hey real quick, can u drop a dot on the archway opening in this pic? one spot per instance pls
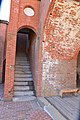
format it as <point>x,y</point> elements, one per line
<point>25,63</point>
<point>25,38</point>
<point>78,71</point>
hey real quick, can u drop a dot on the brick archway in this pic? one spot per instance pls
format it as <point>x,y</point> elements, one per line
<point>17,20</point>
<point>60,42</point>
<point>25,64</point>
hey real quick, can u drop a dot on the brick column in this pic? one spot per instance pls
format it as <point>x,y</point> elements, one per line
<point>11,51</point>
<point>3,27</point>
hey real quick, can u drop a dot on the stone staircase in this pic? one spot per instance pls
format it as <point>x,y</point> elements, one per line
<point>23,84</point>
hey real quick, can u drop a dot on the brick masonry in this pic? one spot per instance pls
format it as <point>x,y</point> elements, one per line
<point>54,47</point>
<point>18,20</point>
<point>3,27</point>
<point>61,43</point>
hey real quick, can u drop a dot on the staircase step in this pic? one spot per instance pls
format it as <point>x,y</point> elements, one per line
<point>22,58</point>
<point>22,72</point>
<point>23,88</point>
<point>23,93</point>
<point>23,75</point>
<point>23,83</point>
<point>22,66</point>
<point>22,61</point>
<point>21,69</point>
<point>24,98</point>
<point>21,55</point>
<point>23,79</point>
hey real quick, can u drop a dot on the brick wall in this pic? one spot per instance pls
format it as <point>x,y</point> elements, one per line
<point>18,20</point>
<point>32,56</point>
<point>61,38</point>
<point>53,52</point>
<point>3,27</point>
<point>43,14</point>
<point>78,70</point>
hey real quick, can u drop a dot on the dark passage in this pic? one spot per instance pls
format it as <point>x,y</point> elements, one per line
<point>78,71</point>
<point>23,84</point>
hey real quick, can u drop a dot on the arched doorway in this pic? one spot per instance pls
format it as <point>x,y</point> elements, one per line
<point>78,70</point>
<point>25,64</point>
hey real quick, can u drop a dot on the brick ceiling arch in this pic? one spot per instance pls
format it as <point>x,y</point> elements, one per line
<point>62,29</point>
<point>28,27</point>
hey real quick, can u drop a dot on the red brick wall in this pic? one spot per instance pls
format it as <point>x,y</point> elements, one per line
<point>38,49</point>
<point>18,20</point>
<point>53,54</point>
<point>32,56</point>
<point>26,21</point>
<point>3,27</point>
<point>43,12</point>
<point>61,38</point>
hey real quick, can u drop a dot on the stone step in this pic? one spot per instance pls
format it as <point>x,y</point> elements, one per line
<point>22,66</point>
<point>23,79</point>
<point>22,61</point>
<point>19,59</point>
<point>23,75</point>
<point>24,98</point>
<point>21,69</point>
<point>22,72</point>
<point>23,93</point>
<point>23,88</point>
<point>22,55</point>
<point>23,83</point>
<point>22,58</point>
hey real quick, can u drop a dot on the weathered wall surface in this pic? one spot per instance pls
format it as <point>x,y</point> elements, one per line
<point>60,43</point>
<point>78,70</point>
<point>44,7</point>
<point>18,20</point>
<point>57,75</point>
<point>43,12</point>
<point>3,28</point>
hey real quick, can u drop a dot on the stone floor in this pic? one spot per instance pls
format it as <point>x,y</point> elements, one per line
<point>22,111</point>
<point>26,110</point>
<point>1,91</point>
